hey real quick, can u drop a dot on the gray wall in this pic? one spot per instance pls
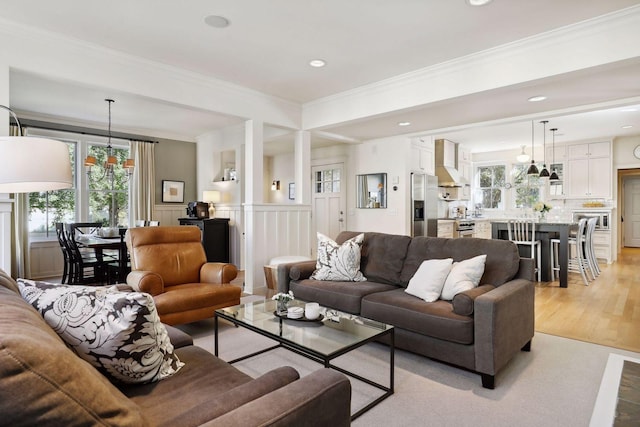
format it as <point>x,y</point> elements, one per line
<point>176,161</point>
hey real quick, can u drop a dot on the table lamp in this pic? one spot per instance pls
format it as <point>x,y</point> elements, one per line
<point>211,197</point>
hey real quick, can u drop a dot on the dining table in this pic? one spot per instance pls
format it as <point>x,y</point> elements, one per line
<point>100,244</point>
<point>545,231</point>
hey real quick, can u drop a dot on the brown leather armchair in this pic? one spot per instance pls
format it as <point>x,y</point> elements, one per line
<point>170,264</point>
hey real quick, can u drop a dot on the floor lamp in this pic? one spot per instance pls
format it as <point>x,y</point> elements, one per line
<point>30,164</point>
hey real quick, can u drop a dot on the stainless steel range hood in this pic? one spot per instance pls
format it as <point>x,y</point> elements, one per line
<point>447,164</point>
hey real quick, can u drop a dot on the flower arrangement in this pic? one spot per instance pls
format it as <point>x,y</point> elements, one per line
<point>282,300</point>
<point>542,207</point>
<point>283,297</point>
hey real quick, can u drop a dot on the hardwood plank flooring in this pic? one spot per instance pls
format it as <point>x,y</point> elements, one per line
<point>606,312</point>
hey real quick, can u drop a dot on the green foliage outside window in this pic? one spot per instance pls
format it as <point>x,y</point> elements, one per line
<point>527,187</point>
<point>491,180</point>
<point>109,199</point>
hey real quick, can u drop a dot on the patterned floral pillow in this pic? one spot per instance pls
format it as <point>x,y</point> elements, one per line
<point>339,262</point>
<point>119,333</point>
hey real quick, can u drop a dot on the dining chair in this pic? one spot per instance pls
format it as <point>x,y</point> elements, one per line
<point>86,267</point>
<point>522,232</point>
<point>67,271</point>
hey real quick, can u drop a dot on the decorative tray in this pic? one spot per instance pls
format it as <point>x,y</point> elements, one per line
<point>301,319</point>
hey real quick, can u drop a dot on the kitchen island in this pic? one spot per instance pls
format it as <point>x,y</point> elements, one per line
<point>545,231</point>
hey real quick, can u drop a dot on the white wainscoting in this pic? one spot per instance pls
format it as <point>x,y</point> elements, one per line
<point>46,259</point>
<point>169,214</point>
<point>273,230</point>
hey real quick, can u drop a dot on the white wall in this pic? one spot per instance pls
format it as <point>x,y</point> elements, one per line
<point>390,156</point>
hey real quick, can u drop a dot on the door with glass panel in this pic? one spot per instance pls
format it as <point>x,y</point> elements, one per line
<point>328,200</point>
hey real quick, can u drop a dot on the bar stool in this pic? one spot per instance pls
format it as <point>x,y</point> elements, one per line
<point>589,249</point>
<point>523,233</point>
<point>577,263</point>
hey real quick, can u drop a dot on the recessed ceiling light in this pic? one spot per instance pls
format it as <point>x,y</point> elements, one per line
<point>404,123</point>
<point>216,21</point>
<point>317,63</point>
<point>537,98</point>
<point>627,127</point>
<point>478,2</point>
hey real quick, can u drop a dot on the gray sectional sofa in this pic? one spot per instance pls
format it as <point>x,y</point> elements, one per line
<point>43,382</point>
<point>480,329</point>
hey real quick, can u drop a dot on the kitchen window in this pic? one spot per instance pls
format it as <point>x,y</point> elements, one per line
<point>526,187</point>
<point>490,188</point>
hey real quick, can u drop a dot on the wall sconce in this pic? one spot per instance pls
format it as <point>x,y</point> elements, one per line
<point>275,185</point>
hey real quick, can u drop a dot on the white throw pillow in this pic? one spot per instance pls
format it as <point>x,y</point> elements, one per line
<point>428,281</point>
<point>339,262</point>
<point>464,275</point>
<point>119,333</point>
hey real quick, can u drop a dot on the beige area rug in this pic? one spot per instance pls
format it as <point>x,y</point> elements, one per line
<point>556,384</point>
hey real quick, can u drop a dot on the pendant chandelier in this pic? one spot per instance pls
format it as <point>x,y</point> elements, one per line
<point>554,175</point>
<point>111,162</point>
<point>533,169</point>
<point>522,157</point>
<point>544,173</point>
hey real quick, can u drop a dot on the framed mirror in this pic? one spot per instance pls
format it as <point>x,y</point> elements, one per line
<point>371,191</point>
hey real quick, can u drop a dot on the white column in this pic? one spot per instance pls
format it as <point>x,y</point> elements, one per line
<point>6,204</point>
<point>253,177</point>
<point>302,156</point>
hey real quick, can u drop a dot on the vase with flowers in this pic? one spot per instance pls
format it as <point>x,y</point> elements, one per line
<point>542,208</point>
<point>282,300</point>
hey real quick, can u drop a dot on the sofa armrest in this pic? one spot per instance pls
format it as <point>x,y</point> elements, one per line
<point>294,271</point>
<point>146,281</point>
<point>218,272</point>
<point>503,324</point>
<point>177,337</point>
<point>527,269</point>
<point>321,398</point>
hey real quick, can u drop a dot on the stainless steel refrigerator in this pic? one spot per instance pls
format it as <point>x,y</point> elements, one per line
<point>424,205</point>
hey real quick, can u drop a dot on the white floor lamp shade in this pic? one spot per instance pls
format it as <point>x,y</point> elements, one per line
<point>29,164</point>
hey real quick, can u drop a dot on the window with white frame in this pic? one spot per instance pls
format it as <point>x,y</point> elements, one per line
<point>93,197</point>
<point>490,188</point>
<point>526,187</point>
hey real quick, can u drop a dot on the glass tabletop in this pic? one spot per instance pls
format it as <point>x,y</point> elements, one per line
<point>335,332</point>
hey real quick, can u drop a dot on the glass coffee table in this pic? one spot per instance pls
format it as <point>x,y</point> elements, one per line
<point>323,340</point>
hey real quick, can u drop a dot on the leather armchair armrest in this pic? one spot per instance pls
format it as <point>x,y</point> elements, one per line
<point>322,398</point>
<point>218,272</point>
<point>146,281</point>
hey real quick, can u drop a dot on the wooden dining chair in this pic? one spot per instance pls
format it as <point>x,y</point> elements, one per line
<point>522,232</point>
<point>86,267</point>
<point>67,271</point>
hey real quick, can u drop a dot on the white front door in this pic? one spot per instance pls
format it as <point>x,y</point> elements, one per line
<point>632,212</point>
<point>328,200</point>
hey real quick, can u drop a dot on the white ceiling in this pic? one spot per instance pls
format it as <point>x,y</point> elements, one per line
<point>269,43</point>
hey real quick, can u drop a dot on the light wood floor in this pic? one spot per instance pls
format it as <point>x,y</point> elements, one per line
<point>606,312</point>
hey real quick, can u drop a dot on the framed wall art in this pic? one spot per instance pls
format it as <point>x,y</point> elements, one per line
<point>172,191</point>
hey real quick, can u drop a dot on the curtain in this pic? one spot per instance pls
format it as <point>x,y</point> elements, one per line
<point>20,256</point>
<point>142,195</point>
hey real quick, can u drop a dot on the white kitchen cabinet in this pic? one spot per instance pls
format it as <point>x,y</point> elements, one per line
<point>588,172</point>
<point>602,245</point>
<point>445,228</point>
<point>423,157</point>
<point>464,168</point>
<point>560,154</point>
<point>482,229</point>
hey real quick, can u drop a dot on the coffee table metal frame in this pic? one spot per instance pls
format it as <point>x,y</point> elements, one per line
<point>230,314</point>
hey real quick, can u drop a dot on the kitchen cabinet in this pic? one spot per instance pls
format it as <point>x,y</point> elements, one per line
<point>445,228</point>
<point>588,172</point>
<point>464,168</point>
<point>482,229</point>
<point>423,157</point>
